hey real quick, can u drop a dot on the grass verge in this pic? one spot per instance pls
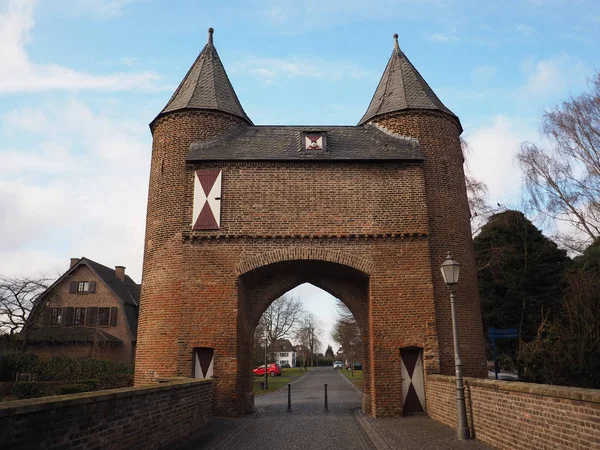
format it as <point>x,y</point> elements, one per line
<point>287,376</point>
<point>356,380</point>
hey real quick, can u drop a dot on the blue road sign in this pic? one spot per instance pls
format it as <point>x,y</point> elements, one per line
<point>500,333</point>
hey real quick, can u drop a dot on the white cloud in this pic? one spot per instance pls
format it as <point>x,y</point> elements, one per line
<point>19,74</point>
<point>302,16</point>
<point>493,149</point>
<point>129,60</point>
<point>79,188</point>
<point>483,74</point>
<point>102,9</point>
<point>553,75</point>
<point>525,30</point>
<point>272,69</point>
<point>444,38</point>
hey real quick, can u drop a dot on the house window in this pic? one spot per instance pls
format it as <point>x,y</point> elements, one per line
<point>283,355</point>
<point>55,316</point>
<point>79,316</point>
<point>83,286</point>
<point>103,316</point>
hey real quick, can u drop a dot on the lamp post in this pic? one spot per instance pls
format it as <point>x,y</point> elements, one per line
<point>266,361</point>
<point>450,271</point>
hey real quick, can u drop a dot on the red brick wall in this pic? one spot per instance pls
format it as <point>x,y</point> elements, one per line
<point>449,230</point>
<point>370,220</point>
<point>170,183</point>
<point>150,418</point>
<point>520,416</point>
<point>320,199</point>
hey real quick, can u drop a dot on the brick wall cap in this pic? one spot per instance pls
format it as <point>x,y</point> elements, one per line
<point>60,401</point>
<point>545,390</point>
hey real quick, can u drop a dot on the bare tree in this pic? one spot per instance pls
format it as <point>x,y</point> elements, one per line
<point>17,301</point>
<point>308,335</point>
<point>280,320</point>
<point>347,332</point>
<point>563,178</point>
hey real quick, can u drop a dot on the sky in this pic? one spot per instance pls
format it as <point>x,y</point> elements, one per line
<point>80,80</point>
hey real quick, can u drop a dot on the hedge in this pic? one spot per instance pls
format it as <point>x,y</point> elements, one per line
<point>106,374</point>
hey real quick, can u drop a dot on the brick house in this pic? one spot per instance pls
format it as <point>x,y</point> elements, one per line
<point>91,311</point>
<point>239,214</point>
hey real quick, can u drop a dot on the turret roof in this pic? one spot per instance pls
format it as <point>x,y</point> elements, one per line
<point>206,87</point>
<point>402,87</point>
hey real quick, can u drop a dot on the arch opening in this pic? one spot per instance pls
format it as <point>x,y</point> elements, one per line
<point>331,281</point>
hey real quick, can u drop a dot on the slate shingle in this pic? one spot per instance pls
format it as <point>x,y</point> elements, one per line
<point>286,143</point>
<point>206,86</point>
<point>402,87</point>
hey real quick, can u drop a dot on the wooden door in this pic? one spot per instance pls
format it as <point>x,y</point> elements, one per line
<point>413,384</point>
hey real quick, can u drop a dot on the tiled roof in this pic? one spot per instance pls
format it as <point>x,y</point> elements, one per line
<point>278,143</point>
<point>72,334</point>
<point>206,86</point>
<point>283,345</point>
<point>128,291</point>
<point>402,87</point>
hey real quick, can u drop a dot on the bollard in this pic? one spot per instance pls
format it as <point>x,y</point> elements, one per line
<point>289,398</point>
<point>326,406</point>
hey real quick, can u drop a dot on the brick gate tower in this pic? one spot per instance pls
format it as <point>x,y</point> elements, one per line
<point>239,214</point>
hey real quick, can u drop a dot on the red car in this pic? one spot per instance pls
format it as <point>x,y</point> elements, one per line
<point>272,369</point>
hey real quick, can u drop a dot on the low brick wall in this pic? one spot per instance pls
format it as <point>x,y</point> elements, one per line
<point>129,418</point>
<point>518,416</point>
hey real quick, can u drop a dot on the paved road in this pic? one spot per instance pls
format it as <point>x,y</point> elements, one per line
<point>309,427</point>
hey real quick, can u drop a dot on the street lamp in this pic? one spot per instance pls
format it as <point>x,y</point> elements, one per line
<point>266,372</point>
<point>450,271</point>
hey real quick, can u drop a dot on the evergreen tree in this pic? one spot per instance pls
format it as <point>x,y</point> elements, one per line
<point>520,276</point>
<point>329,352</point>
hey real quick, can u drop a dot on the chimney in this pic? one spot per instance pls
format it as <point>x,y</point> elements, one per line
<point>120,272</point>
<point>74,261</point>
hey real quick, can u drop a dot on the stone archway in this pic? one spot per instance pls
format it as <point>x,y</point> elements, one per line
<point>306,253</point>
<point>260,286</point>
<point>238,212</point>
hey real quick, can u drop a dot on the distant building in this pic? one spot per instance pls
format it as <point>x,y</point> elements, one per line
<point>91,311</point>
<point>285,353</point>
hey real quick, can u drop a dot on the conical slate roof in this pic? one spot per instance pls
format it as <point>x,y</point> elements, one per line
<point>206,86</point>
<point>402,87</point>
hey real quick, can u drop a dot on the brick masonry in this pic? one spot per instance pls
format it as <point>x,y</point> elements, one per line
<point>520,416</point>
<point>102,298</point>
<point>152,417</point>
<point>449,225</point>
<point>371,233</point>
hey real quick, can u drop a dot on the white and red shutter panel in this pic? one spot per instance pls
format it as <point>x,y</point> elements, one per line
<point>207,199</point>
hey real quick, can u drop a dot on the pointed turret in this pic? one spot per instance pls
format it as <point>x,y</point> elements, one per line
<point>206,87</point>
<point>402,88</point>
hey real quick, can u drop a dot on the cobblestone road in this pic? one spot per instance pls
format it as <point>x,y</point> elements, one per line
<point>309,427</point>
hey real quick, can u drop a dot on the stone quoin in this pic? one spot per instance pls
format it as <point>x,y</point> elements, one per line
<point>239,214</point>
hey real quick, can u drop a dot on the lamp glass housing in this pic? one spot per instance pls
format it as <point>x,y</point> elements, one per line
<point>450,270</point>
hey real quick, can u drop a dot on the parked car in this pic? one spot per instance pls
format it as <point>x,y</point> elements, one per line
<point>285,365</point>
<point>505,376</point>
<point>272,369</point>
<point>338,365</point>
<point>357,366</point>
